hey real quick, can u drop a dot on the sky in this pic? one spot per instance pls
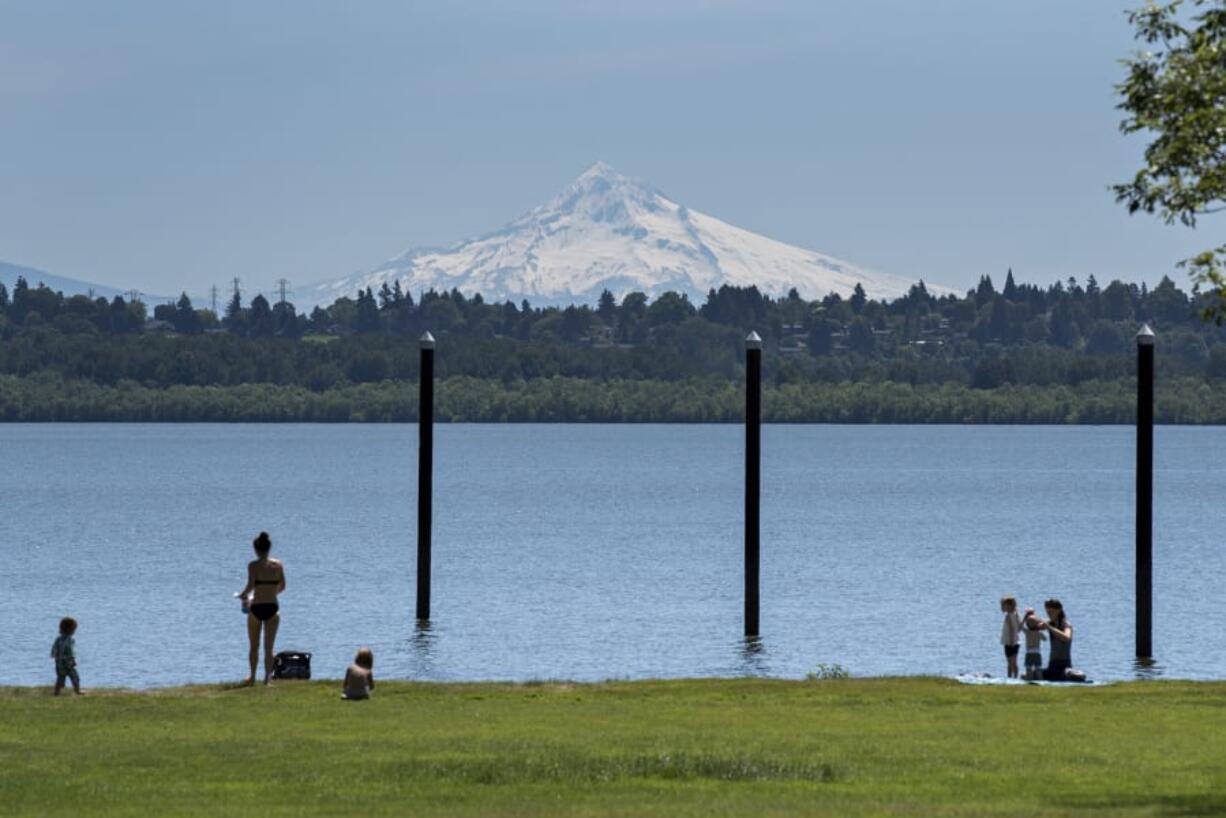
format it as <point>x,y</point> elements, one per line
<point>171,146</point>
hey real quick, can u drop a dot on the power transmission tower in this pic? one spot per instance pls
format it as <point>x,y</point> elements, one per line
<point>133,296</point>
<point>237,290</point>
<point>213,298</point>
<point>282,286</point>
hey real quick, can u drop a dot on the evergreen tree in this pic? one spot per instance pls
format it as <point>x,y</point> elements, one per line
<point>918,294</point>
<point>285,319</point>
<point>576,323</point>
<point>669,308</point>
<point>508,317</point>
<point>1062,330</point>
<point>234,313</point>
<point>1117,302</point>
<point>259,318</point>
<point>21,300</point>
<point>1010,290</point>
<point>121,318</point>
<point>985,292</point>
<point>367,319</point>
<point>606,308</point>
<point>320,321</point>
<point>858,299</point>
<point>185,319</point>
<point>1167,303</point>
<point>4,297</point>
<point>998,319</point>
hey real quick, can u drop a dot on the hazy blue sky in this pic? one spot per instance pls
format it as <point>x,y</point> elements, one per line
<point>167,146</point>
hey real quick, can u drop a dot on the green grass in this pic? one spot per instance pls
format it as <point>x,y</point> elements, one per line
<point>670,748</point>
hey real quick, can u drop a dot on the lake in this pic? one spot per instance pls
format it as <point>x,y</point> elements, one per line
<point>591,552</point>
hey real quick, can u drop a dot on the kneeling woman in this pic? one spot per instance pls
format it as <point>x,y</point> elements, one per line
<point>1060,658</point>
<point>265,580</point>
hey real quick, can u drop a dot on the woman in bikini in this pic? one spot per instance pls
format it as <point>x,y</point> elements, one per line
<point>265,579</point>
<point>1060,631</point>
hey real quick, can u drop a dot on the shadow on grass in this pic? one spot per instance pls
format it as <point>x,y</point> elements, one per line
<point>570,769</point>
<point>1175,806</point>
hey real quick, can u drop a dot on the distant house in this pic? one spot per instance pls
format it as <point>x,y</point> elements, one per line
<point>157,325</point>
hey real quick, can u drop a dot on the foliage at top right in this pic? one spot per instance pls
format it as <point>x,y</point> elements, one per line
<point>1177,94</point>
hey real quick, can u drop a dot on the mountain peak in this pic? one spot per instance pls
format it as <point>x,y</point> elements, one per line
<point>599,169</point>
<point>609,231</point>
<point>599,193</point>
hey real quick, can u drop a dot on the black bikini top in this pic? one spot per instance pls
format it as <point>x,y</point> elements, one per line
<point>268,581</point>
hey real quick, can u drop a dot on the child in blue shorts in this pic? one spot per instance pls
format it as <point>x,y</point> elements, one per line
<point>64,652</point>
<point>1034,645</point>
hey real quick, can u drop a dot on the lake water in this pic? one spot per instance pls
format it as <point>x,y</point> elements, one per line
<point>600,551</point>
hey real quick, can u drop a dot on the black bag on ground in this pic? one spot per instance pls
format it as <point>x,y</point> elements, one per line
<point>290,664</point>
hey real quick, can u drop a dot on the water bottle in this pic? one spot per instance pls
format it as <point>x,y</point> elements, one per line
<point>243,601</point>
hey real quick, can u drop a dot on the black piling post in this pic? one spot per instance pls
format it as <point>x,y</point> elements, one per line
<point>1145,492</point>
<point>753,478</point>
<point>425,473</point>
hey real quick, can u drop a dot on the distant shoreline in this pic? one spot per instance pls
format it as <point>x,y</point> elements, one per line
<point>45,399</point>
<point>32,423</point>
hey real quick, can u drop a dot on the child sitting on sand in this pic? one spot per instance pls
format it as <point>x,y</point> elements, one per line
<point>360,677</point>
<point>63,651</point>
<point>1034,644</point>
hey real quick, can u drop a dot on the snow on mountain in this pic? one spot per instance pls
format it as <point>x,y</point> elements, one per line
<point>610,231</point>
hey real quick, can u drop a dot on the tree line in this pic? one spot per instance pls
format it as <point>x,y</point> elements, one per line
<point>1070,342</point>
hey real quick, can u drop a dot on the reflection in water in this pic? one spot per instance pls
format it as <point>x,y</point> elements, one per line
<point>753,657</point>
<point>421,650</point>
<point>1148,669</point>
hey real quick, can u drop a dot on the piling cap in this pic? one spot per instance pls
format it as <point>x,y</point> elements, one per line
<point>427,341</point>
<point>1145,336</point>
<point>753,341</point>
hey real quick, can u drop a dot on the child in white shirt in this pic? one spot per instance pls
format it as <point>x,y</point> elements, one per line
<point>1034,645</point>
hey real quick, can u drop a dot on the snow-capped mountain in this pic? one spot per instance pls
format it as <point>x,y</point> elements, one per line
<point>610,231</point>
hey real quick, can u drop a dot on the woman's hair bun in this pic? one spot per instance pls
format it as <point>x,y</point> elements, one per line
<point>262,542</point>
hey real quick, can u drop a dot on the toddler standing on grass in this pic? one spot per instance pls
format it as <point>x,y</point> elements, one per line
<point>360,676</point>
<point>1034,645</point>
<point>1009,633</point>
<point>63,651</point>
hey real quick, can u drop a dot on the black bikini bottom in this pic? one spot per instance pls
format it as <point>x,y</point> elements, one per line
<point>264,611</point>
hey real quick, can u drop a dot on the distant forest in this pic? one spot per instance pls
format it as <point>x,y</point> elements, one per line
<point>1015,353</point>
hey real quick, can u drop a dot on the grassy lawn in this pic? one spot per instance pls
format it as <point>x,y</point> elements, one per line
<point>671,748</point>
